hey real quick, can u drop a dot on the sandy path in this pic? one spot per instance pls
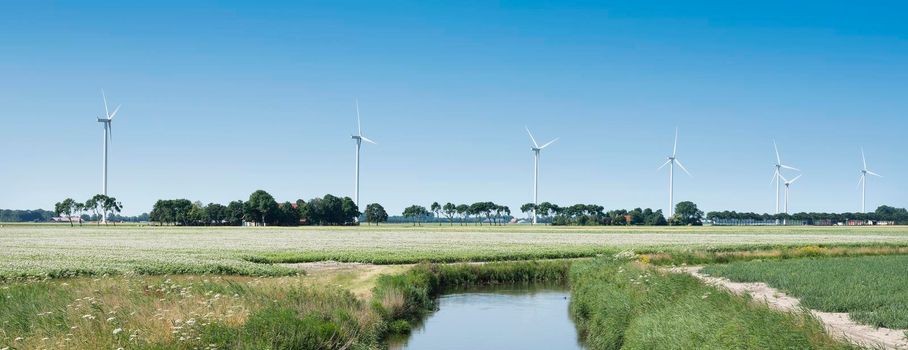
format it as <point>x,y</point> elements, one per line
<point>837,323</point>
<point>358,278</point>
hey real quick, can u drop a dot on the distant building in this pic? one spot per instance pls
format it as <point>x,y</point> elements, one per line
<point>64,218</point>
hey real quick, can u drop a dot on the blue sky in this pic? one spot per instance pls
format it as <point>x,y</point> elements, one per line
<point>223,98</point>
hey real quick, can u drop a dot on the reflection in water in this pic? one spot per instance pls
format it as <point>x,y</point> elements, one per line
<point>502,317</point>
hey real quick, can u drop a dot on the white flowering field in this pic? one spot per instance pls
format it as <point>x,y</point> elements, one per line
<point>58,250</point>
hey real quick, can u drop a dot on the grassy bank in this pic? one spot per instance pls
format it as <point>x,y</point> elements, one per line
<point>235,312</point>
<point>627,305</point>
<point>872,289</point>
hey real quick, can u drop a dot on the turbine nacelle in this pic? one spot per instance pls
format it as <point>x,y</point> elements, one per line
<point>536,147</point>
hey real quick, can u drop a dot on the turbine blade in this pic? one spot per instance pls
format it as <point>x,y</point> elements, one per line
<point>781,177</point>
<point>682,167</point>
<point>531,136</point>
<point>110,132</point>
<point>675,147</point>
<point>664,164</point>
<point>776,147</point>
<point>114,112</point>
<point>104,96</point>
<point>860,181</point>
<point>359,127</point>
<point>874,174</point>
<point>863,159</point>
<point>795,179</point>
<point>789,168</point>
<point>775,176</point>
<point>368,140</point>
<point>547,144</point>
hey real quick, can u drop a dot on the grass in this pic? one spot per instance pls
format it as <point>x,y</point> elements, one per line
<point>617,304</point>
<point>47,250</point>
<point>236,312</point>
<point>627,305</point>
<point>872,289</point>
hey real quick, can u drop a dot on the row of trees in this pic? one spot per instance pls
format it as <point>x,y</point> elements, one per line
<point>14,215</point>
<point>686,213</point>
<point>97,205</point>
<point>260,209</point>
<point>882,213</point>
<point>478,212</point>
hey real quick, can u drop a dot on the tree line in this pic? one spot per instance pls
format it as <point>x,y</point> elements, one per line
<point>97,205</point>
<point>479,213</point>
<point>36,215</point>
<point>260,209</point>
<point>686,213</point>
<point>882,213</point>
<point>463,214</point>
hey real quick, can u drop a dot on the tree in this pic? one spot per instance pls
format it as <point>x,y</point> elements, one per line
<point>416,212</point>
<point>303,208</point>
<point>435,209</point>
<point>111,205</point>
<point>261,206</point>
<point>546,209</point>
<point>463,211</point>
<point>477,209</point>
<point>216,214</point>
<point>197,214</point>
<point>375,213</point>
<point>288,215</point>
<point>94,205</point>
<point>65,208</point>
<point>687,213</point>
<point>528,208</point>
<point>349,211</point>
<point>78,208</point>
<point>450,210</point>
<point>235,213</point>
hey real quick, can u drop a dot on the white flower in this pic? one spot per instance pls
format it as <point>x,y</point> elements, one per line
<point>117,331</point>
<point>110,319</point>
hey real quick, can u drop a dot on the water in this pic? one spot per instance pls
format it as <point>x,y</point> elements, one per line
<point>509,317</point>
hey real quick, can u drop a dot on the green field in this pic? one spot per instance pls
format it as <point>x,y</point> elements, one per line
<point>872,289</point>
<point>627,305</point>
<point>58,250</point>
<point>140,287</point>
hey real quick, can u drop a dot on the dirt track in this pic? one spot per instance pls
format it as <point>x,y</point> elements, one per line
<point>836,323</point>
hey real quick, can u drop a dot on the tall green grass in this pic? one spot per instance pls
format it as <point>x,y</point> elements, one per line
<point>408,296</point>
<point>872,289</point>
<point>626,305</point>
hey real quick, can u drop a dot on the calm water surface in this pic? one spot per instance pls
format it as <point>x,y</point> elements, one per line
<point>508,317</point>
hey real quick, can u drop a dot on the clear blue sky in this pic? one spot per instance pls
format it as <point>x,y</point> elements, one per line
<point>223,98</point>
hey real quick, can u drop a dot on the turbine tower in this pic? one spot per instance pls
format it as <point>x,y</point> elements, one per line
<point>863,181</point>
<point>107,121</point>
<point>536,148</point>
<point>358,138</point>
<point>671,161</point>
<point>777,173</point>
<point>788,189</point>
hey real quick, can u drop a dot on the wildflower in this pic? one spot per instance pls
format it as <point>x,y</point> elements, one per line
<point>17,339</point>
<point>117,331</point>
<point>110,319</point>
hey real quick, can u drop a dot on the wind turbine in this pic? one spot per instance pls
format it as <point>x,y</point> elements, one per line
<point>358,138</point>
<point>536,148</point>
<point>788,189</point>
<point>672,160</point>
<point>106,120</point>
<point>777,173</point>
<point>863,181</point>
